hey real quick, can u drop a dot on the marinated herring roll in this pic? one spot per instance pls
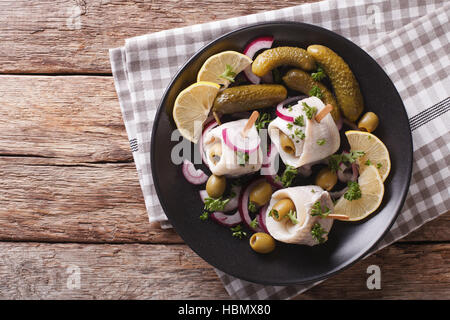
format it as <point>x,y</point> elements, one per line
<point>296,215</point>
<point>229,152</point>
<point>299,137</point>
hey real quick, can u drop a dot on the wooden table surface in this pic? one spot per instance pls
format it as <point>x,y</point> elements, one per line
<point>70,201</point>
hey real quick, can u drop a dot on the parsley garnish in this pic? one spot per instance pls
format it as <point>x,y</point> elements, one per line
<point>262,120</point>
<point>318,211</point>
<point>310,111</point>
<point>289,126</point>
<point>274,213</point>
<point>252,207</point>
<point>379,165</point>
<point>319,75</point>
<point>228,74</point>
<point>321,142</point>
<point>353,192</point>
<point>315,91</point>
<point>336,159</point>
<point>289,108</point>
<point>317,232</point>
<point>299,121</point>
<point>368,163</point>
<point>212,204</point>
<point>254,224</point>
<point>238,233</point>
<point>288,176</point>
<point>204,215</point>
<point>299,133</point>
<point>242,158</point>
<point>292,215</point>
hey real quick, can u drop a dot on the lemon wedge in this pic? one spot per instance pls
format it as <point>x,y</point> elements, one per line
<point>375,152</point>
<point>371,194</point>
<point>192,107</point>
<point>221,68</point>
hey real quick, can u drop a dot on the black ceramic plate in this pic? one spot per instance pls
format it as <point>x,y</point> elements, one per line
<point>288,264</point>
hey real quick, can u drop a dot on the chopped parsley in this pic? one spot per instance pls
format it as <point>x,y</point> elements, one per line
<point>262,121</point>
<point>289,108</point>
<point>252,207</point>
<point>254,224</point>
<point>218,204</point>
<point>242,158</point>
<point>316,92</point>
<point>336,159</point>
<point>353,192</point>
<point>310,111</point>
<point>317,232</point>
<point>288,176</point>
<point>238,233</point>
<point>292,215</point>
<point>379,165</point>
<point>274,214</point>
<point>204,216</point>
<point>368,163</point>
<point>228,74</point>
<point>289,125</point>
<point>318,211</point>
<point>319,75</point>
<point>299,121</point>
<point>299,133</point>
<point>321,142</point>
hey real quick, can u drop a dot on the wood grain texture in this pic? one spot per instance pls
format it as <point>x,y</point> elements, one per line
<point>61,36</point>
<point>40,271</point>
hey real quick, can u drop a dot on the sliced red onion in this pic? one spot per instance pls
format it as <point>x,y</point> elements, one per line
<point>193,176</point>
<point>355,171</point>
<point>274,182</point>
<point>262,218</point>
<point>337,194</point>
<point>281,111</point>
<point>234,141</point>
<point>346,174</point>
<point>208,127</point>
<point>250,51</point>
<point>305,170</point>
<point>232,204</point>
<point>243,205</point>
<point>226,220</point>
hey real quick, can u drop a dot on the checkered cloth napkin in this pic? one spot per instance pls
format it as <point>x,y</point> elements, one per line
<point>409,39</point>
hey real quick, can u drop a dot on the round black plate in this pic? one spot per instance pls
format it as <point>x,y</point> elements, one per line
<point>288,264</point>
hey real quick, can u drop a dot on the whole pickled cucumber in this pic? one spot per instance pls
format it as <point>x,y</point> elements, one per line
<point>346,88</point>
<point>248,97</point>
<point>273,58</point>
<point>300,80</point>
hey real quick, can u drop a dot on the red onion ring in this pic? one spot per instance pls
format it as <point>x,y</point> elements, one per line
<point>243,205</point>
<point>280,108</point>
<point>193,176</point>
<point>232,204</point>
<point>250,50</point>
<point>227,140</point>
<point>262,218</point>
<point>208,127</point>
<point>226,220</point>
<point>272,180</point>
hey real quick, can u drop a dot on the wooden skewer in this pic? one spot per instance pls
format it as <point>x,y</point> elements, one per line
<point>322,113</point>
<point>250,123</point>
<point>338,217</point>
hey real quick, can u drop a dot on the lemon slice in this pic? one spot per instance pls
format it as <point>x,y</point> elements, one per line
<point>192,107</point>
<point>375,152</point>
<point>372,191</point>
<point>221,68</point>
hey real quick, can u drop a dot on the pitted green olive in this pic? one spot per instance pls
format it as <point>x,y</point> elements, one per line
<point>326,179</point>
<point>215,152</point>
<point>262,242</point>
<point>282,208</point>
<point>215,186</point>
<point>286,144</point>
<point>369,122</point>
<point>261,193</point>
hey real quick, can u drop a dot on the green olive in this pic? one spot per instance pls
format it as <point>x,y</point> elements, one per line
<point>261,193</point>
<point>282,208</point>
<point>326,179</point>
<point>369,122</point>
<point>215,152</point>
<point>215,186</point>
<point>286,144</point>
<point>262,242</point>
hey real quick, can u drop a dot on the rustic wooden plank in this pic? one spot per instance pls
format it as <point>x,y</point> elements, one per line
<point>60,203</point>
<point>73,119</point>
<point>60,36</point>
<point>135,271</point>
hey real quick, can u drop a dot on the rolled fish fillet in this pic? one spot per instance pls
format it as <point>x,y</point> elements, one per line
<point>308,143</point>
<point>303,198</point>
<point>229,153</point>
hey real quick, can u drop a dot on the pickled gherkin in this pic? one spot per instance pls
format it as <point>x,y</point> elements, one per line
<point>345,85</point>
<point>248,97</point>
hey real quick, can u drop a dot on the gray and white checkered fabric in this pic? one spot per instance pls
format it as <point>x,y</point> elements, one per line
<point>409,39</point>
